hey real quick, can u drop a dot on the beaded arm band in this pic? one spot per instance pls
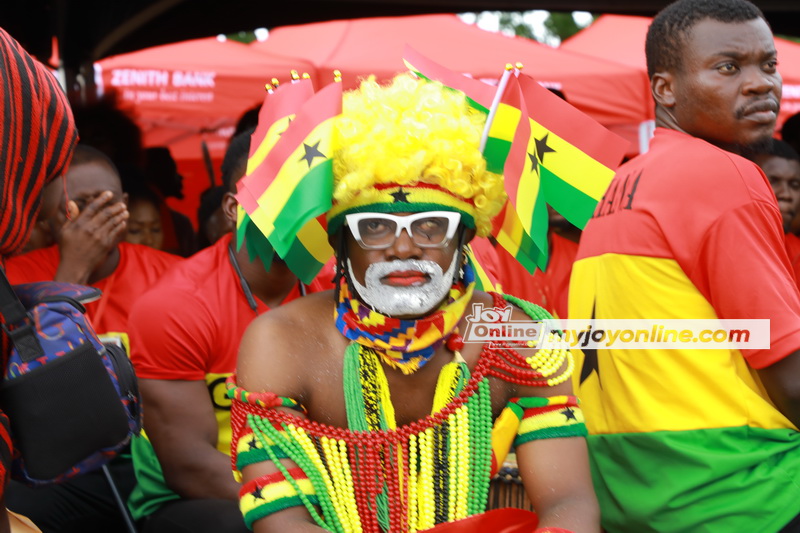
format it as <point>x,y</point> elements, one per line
<point>547,418</point>
<point>274,492</point>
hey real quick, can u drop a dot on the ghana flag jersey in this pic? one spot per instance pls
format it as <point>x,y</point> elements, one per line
<point>686,440</point>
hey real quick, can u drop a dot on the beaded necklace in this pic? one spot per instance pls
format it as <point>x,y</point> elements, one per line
<point>403,344</point>
<point>434,470</point>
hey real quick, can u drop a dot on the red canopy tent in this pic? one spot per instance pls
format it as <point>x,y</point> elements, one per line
<point>612,93</point>
<point>185,94</point>
<point>621,38</point>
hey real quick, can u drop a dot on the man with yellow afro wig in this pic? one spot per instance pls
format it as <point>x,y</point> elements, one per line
<point>364,408</point>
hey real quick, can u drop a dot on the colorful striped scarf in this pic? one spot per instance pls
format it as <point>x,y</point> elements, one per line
<point>403,344</point>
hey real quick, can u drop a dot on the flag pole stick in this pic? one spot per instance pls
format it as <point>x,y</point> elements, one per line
<point>501,87</point>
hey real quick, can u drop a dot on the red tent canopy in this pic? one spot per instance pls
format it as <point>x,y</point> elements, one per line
<point>622,38</point>
<point>185,93</point>
<point>613,94</point>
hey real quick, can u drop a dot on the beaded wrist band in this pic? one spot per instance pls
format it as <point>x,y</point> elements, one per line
<point>272,493</point>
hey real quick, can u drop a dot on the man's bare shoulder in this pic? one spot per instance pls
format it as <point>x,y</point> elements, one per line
<point>278,345</point>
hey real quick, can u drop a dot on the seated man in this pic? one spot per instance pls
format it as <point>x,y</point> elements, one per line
<point>381,417</point>
<point>90,250</point>
<point>185,334</point>
<point>781,163</point>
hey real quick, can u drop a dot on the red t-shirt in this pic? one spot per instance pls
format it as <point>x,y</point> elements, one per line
<point>190,324</point>
<point>139,268</point>
<point>550,289</point>
<point>793,250</point>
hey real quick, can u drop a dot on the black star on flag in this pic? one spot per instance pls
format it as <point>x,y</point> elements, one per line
<point>534,162</point>
<point>400,196</point>
<point>569,413</point>
<point>542,148</point>
<point>311,153</point>
<point>252,443</point>
<point>288,123</point>
<point>256,494</point>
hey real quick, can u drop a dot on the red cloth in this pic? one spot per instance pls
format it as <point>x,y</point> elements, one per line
<point>139,268</point>
<point>38,134</point>
<point>197,315</point>
<point>793,250</point>
<point>505,520</point>
<point>550,289</point>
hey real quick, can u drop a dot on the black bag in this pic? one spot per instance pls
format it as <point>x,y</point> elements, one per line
<point>72,401</point>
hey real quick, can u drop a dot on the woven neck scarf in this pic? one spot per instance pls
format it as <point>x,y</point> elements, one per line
<point>403,344</point>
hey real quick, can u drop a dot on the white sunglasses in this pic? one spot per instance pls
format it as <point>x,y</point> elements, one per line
<point>378,231</point>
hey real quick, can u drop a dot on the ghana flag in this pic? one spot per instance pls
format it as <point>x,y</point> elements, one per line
<point>276,113</point>
<point>289,189</point>
<point>576,156</point>
<point>481,97</point>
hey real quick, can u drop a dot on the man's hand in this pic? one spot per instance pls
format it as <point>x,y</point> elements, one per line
<point>86,239</point>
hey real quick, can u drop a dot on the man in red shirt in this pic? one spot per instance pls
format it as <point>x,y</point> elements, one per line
<point>185,334</point>
<point>781,163</point>
<point>89,251</point>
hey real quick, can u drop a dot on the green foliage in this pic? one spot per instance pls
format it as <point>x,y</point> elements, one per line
<point>561,25</point>
<point>245,37</point>
<point>513,21</point>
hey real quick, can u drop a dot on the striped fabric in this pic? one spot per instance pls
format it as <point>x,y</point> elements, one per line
<point>687,439</point>
<point>37,134</point>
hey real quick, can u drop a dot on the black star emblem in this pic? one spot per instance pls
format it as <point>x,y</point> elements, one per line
<point>590,362</point>
<point>252,443</point>
<point>256,494</point>
<point>569,413</point>
<point>400,196</point>
<point>590,365</point>
<point>534,162</point>
<point>288,123</point>
<point>542,148</point>
<point>311,153</point>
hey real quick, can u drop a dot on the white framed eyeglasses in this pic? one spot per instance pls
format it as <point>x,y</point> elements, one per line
<point>378,231</point>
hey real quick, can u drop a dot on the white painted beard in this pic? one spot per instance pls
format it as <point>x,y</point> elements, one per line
<point>412,300</point>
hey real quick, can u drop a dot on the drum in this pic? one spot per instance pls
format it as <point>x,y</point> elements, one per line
<point>506,488</point>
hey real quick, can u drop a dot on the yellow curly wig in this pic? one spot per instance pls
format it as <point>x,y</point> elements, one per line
<point>417,136</point>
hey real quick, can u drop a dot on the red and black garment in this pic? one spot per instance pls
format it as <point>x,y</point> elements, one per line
<point>37,137</point>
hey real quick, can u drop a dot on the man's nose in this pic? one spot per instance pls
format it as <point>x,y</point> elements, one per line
<point>760,82</point>
<point>404,247</point>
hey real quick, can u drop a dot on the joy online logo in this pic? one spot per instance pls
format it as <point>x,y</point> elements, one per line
<point>487,324</point>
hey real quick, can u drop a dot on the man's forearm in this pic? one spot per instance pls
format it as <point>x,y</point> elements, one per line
<point>202,474</point>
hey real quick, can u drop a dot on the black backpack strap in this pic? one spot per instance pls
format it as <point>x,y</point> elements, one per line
<point>23,334</point>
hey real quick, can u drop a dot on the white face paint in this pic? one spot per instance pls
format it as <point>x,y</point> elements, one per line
<point>415,299</point>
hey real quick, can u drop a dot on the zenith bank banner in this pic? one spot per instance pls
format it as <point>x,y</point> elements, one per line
<point>148,85</point>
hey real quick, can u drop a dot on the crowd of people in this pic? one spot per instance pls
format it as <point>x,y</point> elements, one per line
<point>354,402</point>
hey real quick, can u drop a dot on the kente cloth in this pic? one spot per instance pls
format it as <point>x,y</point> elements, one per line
<point>407,344</point>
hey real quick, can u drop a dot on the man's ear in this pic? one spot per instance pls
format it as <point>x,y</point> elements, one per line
<point>662,85</point>
<point>229,205</point>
